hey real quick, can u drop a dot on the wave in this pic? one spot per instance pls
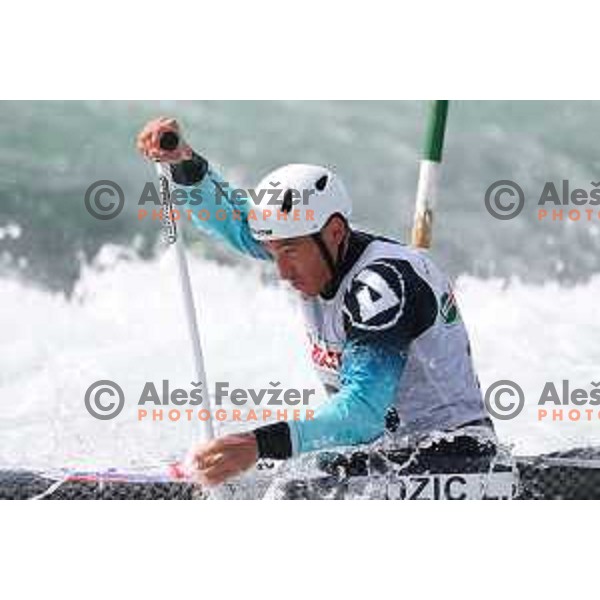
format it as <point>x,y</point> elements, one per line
<point>124,322</point>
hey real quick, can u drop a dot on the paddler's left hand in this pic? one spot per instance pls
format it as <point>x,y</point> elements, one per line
<point>221,459</point>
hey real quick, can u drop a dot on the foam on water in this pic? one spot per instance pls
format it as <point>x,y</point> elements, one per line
<point>533,334</point>
<point>125,323</point>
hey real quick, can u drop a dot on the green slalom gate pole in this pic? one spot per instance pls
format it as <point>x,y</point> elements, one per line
<point>429,174</point>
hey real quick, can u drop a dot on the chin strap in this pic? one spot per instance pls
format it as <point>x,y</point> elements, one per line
<point>325,252</point>
<point>327,256</point>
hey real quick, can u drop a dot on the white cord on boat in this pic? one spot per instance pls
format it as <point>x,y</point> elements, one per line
<point>50,490</point>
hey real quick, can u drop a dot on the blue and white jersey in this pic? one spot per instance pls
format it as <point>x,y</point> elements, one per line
<point>386,336</point>
<point>394,303</point>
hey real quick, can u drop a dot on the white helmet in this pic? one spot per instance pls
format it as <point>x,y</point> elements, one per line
<point>298,200</point>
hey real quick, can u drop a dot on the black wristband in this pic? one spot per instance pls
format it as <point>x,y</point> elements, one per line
<point>189,172</point>
<point>274,441</point>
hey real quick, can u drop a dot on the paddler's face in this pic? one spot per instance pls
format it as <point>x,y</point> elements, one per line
<point>299,261</point>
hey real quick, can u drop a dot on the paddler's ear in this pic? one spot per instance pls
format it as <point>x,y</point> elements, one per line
<point>337,228</point>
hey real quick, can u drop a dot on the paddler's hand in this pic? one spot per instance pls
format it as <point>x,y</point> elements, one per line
<point>148,141</point>
<point>223,458</point>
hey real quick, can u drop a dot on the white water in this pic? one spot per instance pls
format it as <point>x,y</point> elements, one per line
<point>532,334</point>
<point>125,323</point>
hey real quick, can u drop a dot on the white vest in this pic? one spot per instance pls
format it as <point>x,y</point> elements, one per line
<point>439,389</point>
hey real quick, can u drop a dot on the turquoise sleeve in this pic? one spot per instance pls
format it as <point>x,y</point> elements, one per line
<point>210,206</point>
<point>370,375</point>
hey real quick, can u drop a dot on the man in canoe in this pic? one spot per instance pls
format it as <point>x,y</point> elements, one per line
<point>387,337</point>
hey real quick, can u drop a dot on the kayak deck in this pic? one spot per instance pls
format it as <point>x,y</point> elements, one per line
<point>574,474</point>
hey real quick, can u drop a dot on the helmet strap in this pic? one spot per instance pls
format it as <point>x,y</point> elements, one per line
<point>324,252</point>
<point>331,263</point>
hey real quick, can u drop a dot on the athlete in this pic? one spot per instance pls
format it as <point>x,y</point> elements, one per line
<point>387,338</point>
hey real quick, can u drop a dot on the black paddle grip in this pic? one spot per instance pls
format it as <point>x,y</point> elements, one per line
<point>169,140</point>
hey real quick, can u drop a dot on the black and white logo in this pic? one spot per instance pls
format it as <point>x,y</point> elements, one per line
<point>376,298</point>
